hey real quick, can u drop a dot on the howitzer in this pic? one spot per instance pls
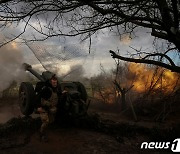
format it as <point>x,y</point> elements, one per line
<point>28,67</point>
<point>72,102</point>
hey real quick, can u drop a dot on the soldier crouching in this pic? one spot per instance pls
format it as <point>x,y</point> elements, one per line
<point>48,106</point>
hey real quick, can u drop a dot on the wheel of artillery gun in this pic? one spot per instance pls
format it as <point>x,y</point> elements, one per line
<point>82,90</point>
<point>26,98</point>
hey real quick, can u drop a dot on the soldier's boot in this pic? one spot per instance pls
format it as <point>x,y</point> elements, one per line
<point>43,137</point>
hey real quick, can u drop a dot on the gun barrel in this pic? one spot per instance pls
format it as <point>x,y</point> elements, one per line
<point>28,67</point>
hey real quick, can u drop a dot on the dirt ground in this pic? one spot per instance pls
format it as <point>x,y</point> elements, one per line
<point>68,141</point>
<point>111,137</point>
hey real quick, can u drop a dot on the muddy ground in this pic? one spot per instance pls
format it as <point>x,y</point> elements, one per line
<point>98,133</point>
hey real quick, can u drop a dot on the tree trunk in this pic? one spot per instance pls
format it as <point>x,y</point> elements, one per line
<point>123,100</point>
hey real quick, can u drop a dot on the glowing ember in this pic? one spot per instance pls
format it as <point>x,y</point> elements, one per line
<point>14,45</point>
<point>126,39</point>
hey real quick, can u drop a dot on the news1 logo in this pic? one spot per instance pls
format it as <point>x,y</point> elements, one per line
<point>175,146</point>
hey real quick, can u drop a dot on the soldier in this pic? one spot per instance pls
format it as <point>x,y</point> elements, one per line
<point>48,106</point>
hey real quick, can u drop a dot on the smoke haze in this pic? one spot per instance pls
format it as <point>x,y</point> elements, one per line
<point>75,73</point>
<point>11,59</point>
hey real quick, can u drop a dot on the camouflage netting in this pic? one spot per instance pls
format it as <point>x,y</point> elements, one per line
<point>60,59</point>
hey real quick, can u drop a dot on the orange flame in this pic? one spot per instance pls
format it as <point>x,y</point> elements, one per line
<point>145,77</point>
<point>106,94</point>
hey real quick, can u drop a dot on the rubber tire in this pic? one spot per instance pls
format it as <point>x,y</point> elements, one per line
<point>82,90</point>
<point>26,98</point>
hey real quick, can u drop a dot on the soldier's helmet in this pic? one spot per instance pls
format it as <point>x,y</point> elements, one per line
<point>47,75</point>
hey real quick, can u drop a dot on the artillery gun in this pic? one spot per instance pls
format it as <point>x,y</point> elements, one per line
<point>72,103</point>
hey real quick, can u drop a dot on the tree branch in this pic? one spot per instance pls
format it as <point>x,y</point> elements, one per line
<point>159,35</point>
<point>118,86</point>
<point>146,61</point>
<point>162,55</point>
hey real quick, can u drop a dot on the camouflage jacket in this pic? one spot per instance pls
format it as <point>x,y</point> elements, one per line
<point>51,101</point>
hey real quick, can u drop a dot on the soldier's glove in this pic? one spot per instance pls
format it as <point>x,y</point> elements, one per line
<point>53,110</point>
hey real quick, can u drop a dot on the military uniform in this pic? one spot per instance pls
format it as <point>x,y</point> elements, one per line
<point>49,110</point>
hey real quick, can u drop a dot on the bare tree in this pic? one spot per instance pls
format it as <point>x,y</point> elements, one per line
<point>82,17</point>
<point>123,92</point>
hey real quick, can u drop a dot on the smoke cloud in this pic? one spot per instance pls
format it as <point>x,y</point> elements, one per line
<point>11,59</point>
<point>75,73</point>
